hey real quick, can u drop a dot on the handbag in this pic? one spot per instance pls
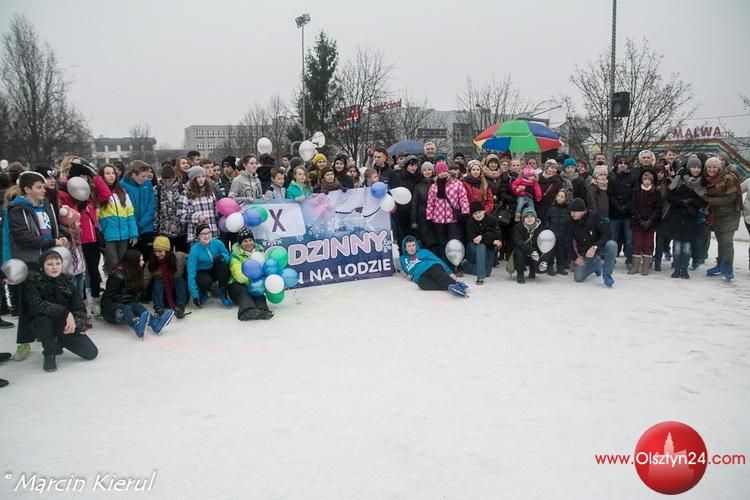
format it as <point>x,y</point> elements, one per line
<point>503,215</point>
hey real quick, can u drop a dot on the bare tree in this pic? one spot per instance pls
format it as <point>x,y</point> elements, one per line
<point>42,121</point>
<point>142,144</point>
<point>480,105</point>
<point>364,82</point>
<point>659,104</point>
<point>279,122</point>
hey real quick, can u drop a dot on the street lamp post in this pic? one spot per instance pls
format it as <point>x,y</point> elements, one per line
<point>301,22</point>
<point>610,103</point>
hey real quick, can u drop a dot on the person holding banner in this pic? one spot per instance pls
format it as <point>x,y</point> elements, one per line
<point>247,187</point>
<point>299,188</point>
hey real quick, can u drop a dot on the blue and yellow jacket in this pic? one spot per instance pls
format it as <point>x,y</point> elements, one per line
<point>117,222</point>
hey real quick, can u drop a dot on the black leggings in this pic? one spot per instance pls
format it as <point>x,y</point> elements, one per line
<point>220,273</point>
<point>92,254</point>
<point>444,233</point>
<point>53,339</point>
<point>435,278</point>
<point>249,307</point>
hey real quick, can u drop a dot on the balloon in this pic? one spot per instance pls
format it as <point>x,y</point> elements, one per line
<point>307,150</point>
<point>387,203</point>
<point>401,195</point>
<point>258,257</point>
<point>274,283</point>
<point>280,255</point>
<point>263,214</point>
<point>291,277</point>
<point>66,257</point>
<point>264,146</point>
<point>271,267</point>
<point>275,298</point>
<point>15,271</point>
<point>252,269</point>
<point>454,252</point>
<point>252,217</point>
<point>546,241</point>
<point>79,188</point>
<point>235,222</point>
<point>227,206</point>
<point>378,190</point>
<point>223,225</point>
<point>256,288</point>
<point>3,164</point>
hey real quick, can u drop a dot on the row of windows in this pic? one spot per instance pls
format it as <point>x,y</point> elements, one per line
<point>220,132</point>
<point>207,145</point>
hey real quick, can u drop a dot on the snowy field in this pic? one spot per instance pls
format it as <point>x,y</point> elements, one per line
<point>377,390</point>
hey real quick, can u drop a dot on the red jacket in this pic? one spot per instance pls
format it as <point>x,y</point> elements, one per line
<point>89,221</point>
<point>533,189</point>
<point>474,193</point>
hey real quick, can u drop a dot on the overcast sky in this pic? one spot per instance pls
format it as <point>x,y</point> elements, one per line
<point>175,63</point>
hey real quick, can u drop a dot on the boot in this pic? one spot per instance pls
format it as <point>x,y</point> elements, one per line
<point>657,263</point>
<point>49,363</point>
<point>646,265</point>
<point>179,311</point>
<point>728,270</point>
<point>716,270</point>
<point>22,352</point>
<point>637,259</point>
<point>519,276</point>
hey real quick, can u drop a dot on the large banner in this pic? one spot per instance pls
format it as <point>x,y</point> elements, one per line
<point>341,236</point>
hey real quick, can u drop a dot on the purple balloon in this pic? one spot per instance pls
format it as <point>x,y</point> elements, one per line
<point>223,225</point>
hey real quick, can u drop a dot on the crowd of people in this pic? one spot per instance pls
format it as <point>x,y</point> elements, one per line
<point>158,240</point>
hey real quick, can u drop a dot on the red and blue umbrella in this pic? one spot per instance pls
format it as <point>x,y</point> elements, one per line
<point>518,136</point>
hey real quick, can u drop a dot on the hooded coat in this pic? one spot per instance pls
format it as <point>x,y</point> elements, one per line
<point>415,265</point>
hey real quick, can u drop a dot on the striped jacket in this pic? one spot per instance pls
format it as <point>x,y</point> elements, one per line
<point>188,211</point>
<point>117,222</point>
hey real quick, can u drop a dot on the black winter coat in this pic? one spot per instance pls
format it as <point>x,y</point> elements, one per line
<point>488,228</point>
<point>589,231</point>
<point>598,200</point>
<point>526,240</point>
<point>550,187</point>
<point>557,219</point>
<point>419,213</point>
<point>117,292</point>
<point>506,196</point>
<point>54,298</point>
<point>620,195</point>
<point>681,221</point>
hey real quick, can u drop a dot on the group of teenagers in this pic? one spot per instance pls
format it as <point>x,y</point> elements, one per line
<point>159,240</point>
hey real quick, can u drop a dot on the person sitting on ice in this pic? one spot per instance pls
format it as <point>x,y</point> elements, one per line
<point>427,270</point>
<point>208,262</point>
<point>250,307</point>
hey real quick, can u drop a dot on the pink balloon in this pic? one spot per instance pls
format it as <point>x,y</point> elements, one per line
<point>227,206</point>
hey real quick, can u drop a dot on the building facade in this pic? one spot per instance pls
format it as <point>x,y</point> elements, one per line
<point>112,149</point>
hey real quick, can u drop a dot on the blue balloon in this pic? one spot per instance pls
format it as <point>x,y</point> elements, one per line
<point>378,190</point>
<point>252,269</point>
<point>252,217</point>
<point>291,277</point>
<point>271,267</point>
<point>256,288</point>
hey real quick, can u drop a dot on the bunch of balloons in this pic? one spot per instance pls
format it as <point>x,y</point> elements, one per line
<point>400,195</point>
<point>233,217</point>
<point>268,274</point>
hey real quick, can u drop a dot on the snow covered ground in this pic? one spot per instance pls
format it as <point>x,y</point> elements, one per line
<point>377,390</point>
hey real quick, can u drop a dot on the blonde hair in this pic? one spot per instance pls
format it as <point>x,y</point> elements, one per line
<point>65,165</point>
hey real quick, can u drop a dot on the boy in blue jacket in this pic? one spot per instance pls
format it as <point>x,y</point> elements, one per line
<point>141,193</point>
<point>208,262</point>
<point>427,270</point>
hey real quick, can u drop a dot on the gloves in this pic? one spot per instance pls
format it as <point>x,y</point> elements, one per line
<point>535,256</point>
<point>218,259</point>
<point>197,302</point>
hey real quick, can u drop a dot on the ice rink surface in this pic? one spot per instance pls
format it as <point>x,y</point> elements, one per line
<point>377,390</point>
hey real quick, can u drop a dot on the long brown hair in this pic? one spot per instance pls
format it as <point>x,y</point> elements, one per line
<point>195,191</point>
<point>130,267</point>
<point>116,188</point>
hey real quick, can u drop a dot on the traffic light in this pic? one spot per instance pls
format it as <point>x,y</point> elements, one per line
<point>620,104</point>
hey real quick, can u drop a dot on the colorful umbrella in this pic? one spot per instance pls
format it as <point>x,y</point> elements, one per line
<point>518,136</point>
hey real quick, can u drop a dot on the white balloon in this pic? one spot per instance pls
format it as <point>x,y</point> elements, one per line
<point>401,195</point>
<point>79,189</point>
<point>274,283</point>
<point>258,257</point>
<point>455,251</point>
<point>3,164</point>
<point>15,271</point>
<point>264,146</point>
<point>235,222</point>
<point>307,150</point>
<point>67,258</point>
<point>387,203</point>
<point>546,241</point>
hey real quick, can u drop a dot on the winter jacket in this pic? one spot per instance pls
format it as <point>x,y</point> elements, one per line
<point>117,292</point>
<point>494,180</point>
<point>117,222</point>
<point>180,260</point>
<point>415,265</point>
<point>550,187</point>
<point>506,189</point>
<point>201,258</point>
<point>225,184</point>
<point>597,200</point>
<point>574,185</point>
<point>426,235</point>
<point>22,236</point>
<point>144,202</point>
<point>87,209</point>
<point>646,209</point>
<point>190,209</point>
<point>525,238</point>
<point>488,228</point>
<point>246,187</point>
<point>746,204</point>
<point>167,220</point>
<point>474,193</point>
<point>557,219</point>
<point>439,210</point>
<point>724,202</point>
<point>681,222</point>
<point>385,174</point>
<point>533,189</point>
<point>54,298</point>
<point>590,230</point>
<point>294,191</point>
<point>275,192</point>
<point>620,190</point>
<point>236,259</point>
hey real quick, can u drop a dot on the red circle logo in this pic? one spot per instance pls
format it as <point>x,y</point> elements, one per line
<point>670,457</point>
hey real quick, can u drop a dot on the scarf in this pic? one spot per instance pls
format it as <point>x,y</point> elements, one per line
<point>600,184</point>
<point>167,276</point>
<point>647,188</point>
<point>570,177</point>
<point>695,184</point>
<point>474,181</point>
<point>441,184</point>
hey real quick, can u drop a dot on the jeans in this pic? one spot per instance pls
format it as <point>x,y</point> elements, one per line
<point>79,283</point>
<point>126,313</point>
<point>622,226</point>
<point>610,254</point>
<point>179,293</point>
<point>114,251</point>
<point>480,260</point>
<point>523,202</point>
<point>681,251</point>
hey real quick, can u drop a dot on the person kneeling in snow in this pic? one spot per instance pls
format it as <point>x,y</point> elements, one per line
<point>427,270</point>
<point>590,243</point>
<point>239,285</point>
<point>525,247</point>
<point>56,312</point>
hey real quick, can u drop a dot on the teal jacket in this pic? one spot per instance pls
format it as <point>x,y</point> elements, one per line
<point>144,201</point>
<point>415,265</point>
<point>201,258</point>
